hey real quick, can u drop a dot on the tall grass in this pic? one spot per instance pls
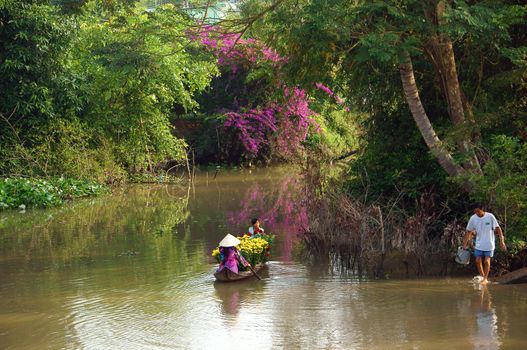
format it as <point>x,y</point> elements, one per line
<point>362,236</point>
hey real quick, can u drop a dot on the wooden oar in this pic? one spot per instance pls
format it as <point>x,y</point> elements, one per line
<point>254,273</point>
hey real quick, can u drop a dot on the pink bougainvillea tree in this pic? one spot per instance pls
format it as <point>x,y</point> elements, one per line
<point>331,93</point>
<point>283,120</point>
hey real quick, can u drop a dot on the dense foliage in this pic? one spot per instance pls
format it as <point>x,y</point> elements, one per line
<point>105,90</point>
<point>441,90</point>
<point>259,115</point>
<point>88,95</point>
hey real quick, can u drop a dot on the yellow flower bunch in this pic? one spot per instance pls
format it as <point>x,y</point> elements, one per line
<point>254,249</point>
<point>252,246</point>
<point>216,252</point>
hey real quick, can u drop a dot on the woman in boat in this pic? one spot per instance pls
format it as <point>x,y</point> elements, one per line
<point>255,228</point>
<point>230,258</point>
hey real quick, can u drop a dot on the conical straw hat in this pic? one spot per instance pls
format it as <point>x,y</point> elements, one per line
<point>229,241</point>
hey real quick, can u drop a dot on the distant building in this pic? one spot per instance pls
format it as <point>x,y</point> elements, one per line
<point>214,13</point>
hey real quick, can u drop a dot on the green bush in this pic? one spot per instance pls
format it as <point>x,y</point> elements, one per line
<point>339,128</point>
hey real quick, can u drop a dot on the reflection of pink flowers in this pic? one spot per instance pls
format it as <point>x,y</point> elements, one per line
<point>280,210</point>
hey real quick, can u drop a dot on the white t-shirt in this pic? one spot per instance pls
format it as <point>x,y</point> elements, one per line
<point>484,227</point>
<point>251,230</point>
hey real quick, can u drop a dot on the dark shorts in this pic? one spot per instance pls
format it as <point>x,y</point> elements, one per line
<point>483,253</point>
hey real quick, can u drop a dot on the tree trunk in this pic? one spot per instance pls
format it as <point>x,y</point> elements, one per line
<point>421,119</point>
<point>514,276</point>
<point>442,52</point>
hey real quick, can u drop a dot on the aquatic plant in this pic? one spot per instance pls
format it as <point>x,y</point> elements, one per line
<point>25,193</point>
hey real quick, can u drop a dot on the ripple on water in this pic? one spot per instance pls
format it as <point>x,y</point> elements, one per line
<point>88,295</point>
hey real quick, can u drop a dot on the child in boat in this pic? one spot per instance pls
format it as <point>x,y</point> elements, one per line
<point>230,258</point>
<point>255,228</point>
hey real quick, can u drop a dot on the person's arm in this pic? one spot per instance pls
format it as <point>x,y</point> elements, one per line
<point>468,237</point>
<point>242,259</point>
<point>470,231</point>
<point>499,232</point>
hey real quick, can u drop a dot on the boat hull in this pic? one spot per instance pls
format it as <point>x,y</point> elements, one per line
<point>227,275</point>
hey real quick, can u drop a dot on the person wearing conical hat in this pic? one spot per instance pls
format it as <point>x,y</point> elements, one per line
<point>229,255</point>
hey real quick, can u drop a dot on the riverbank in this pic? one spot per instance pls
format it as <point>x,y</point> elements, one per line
<point>390,235</point>
<point>24,193</point>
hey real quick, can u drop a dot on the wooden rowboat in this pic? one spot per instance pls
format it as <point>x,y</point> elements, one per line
<point>227,275</point>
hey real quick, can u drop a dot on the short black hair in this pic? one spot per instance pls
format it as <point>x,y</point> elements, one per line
<point>478,205</point>
<point>253,221</point>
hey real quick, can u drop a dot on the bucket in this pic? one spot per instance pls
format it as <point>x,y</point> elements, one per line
<point>462,256</point>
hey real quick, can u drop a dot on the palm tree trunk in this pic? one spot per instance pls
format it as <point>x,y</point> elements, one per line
<point>411,93</point>
<point>442,50</point>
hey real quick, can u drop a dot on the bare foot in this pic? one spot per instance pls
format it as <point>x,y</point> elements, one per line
<point>477,279</point>
<point>484,281</point>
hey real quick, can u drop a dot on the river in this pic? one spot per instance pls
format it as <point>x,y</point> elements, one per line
<point>132,270</point>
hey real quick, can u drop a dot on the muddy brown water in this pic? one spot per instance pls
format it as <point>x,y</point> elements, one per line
<point>132,271</point>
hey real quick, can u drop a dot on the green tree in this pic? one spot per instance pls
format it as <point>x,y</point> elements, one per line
<point>342,40</point>
<point>139,66</point>
<point>38,88</point>
<point>34,42</point>
<point>88,93</point>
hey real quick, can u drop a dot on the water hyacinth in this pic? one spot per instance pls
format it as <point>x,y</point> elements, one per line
<point>27,193</point>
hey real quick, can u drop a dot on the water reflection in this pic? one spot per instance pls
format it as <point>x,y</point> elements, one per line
<point>132,271</point>
<point>280,208</point>
<point>134,218</point>
<point>233,295</point>
<point>486,333</point>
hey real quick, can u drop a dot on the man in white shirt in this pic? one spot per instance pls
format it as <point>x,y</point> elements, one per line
<point>484,226</point>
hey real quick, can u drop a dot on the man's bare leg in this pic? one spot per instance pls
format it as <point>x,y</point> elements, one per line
<point>486,270</point>
<point>480,267</point>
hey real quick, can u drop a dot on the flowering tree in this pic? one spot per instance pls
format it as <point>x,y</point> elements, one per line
<point>275,117</point>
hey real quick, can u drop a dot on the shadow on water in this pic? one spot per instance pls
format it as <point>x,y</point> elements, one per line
<point>232,295</point>
<point>125,224</point>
